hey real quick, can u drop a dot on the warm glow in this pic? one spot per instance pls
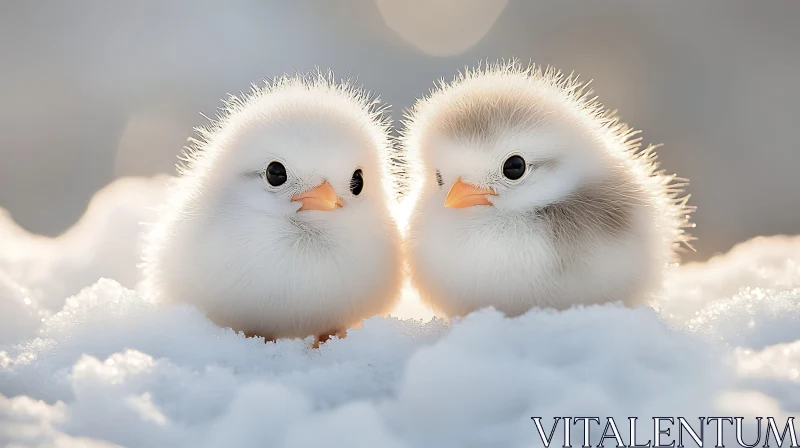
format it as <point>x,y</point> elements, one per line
<point>441,27</point>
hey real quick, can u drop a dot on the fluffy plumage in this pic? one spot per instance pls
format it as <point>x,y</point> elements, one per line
<point>243,251</point>
<point>591,220</point>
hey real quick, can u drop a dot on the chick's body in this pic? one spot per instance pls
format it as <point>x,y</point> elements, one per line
<point>529,194</point>
<point>279,225</point>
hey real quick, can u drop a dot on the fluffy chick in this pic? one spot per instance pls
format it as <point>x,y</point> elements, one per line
<point>527,193</point>
<point>279,223</point>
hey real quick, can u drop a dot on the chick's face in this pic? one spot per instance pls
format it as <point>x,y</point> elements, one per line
<point>508,169</point>
<point>301,169</point>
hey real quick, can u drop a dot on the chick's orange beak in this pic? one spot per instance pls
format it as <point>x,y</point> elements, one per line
<point>463,195</point>
<point>322,198</point>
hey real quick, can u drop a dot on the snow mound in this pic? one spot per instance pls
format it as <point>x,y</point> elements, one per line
<point>105,242</point>
<point>113,367</point>
<point>768,263</point>
<point>91,363</point>
<point>754,318</point>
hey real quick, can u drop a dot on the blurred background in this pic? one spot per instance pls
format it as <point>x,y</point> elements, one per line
<point>93,90</point>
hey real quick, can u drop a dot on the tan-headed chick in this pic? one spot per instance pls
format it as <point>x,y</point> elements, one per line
<point>529,194</point>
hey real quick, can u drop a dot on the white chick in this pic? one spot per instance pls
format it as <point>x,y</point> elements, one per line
<point>529,194</point>
<point>279,223</point>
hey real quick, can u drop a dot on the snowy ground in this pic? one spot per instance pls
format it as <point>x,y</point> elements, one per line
<point>89,363</point>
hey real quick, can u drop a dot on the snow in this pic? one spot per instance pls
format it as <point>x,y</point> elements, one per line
<point>105,242</point>
<point>88,362</point>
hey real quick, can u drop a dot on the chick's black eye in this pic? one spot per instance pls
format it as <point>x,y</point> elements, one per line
<point>439,180</point>
<point>514,167</point>
<point>356,183</point>
<point>275,174</point>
